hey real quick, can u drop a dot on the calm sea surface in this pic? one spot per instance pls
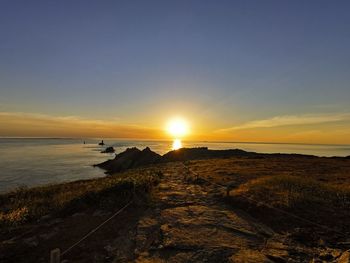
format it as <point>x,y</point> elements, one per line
<point>31,162</point>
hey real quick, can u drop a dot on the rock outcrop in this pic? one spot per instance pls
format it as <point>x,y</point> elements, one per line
<point>133,157</point>
<point>130,158</point>
<point>185,154</point>
<point>108,150</point>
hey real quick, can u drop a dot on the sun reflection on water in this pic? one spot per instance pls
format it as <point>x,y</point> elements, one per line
<point>177,144</point>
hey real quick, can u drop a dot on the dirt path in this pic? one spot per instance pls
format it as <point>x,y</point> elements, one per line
<point>187,221</point>
<point>189,224</point>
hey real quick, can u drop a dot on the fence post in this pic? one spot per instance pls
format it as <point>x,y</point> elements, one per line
<point>227,191</point>
<point>55,256</point>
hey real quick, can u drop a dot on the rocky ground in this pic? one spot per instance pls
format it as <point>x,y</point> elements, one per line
<point>190,223</point>
<point>186,221</point>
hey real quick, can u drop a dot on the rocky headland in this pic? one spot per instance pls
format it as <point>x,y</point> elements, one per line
<point>189,205</point>
<point>134,157</point>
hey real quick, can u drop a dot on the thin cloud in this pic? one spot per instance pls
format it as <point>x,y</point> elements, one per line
<point>32,124</point>
<point>289,120</point>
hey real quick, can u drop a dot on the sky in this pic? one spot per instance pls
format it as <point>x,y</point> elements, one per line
<point>258,71</point>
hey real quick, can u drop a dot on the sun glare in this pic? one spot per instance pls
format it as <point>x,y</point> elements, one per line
<point>177,144</point>
<point>177,127</point>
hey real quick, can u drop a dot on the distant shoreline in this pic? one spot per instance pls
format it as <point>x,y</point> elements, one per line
<point>169,140</point>
<point>34,161</point>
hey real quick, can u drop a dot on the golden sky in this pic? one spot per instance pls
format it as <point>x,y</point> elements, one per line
<point>248,71</point>
<point>306,128</point>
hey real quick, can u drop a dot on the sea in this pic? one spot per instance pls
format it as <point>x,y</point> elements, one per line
<point>28,162</point>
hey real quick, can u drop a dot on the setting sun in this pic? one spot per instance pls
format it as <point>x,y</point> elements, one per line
<point>177,127</point>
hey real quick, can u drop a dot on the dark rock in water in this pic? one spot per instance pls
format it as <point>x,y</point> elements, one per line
<point>101,143</point>
<point>108,150</point>
<point>130,158</point>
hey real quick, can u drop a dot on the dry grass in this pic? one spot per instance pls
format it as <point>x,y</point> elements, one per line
<point>26,205</point>
<point>317,189</point>
<point>296,192</point>
<point>304,199</point>
<point>242,169</point>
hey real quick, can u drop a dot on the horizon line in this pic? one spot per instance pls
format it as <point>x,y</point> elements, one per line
<point>138,139</point>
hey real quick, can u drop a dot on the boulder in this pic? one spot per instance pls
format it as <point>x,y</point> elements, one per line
<point>108,150</point>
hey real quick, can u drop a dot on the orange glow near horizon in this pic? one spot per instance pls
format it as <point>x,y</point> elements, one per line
<point>325,129</point>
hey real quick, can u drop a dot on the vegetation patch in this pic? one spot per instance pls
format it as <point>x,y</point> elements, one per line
<point>296,192</point>
<point>307,198</point>
<point>29,204</point>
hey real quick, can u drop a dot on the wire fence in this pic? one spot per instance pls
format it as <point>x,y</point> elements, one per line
<point>96,228</point>
<point>55,254</point>
<point>226,187</point>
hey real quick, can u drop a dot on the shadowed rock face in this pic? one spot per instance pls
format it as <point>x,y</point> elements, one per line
<point>185,154</point>
<point>133,157</point>
<point>130,158</point>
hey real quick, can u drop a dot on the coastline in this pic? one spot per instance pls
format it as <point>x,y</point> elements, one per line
<point>56,208</point>
<point>34,162</point>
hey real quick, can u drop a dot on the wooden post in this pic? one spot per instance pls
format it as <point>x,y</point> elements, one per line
<point>55,256</point>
